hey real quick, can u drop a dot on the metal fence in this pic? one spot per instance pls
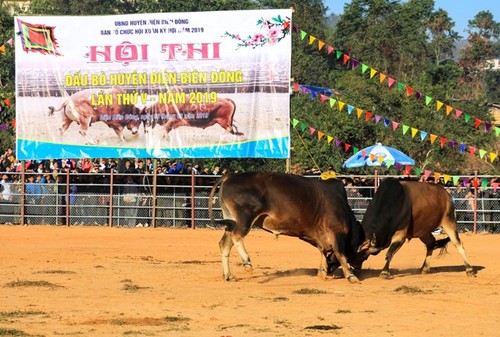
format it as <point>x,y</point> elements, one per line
<point>132,200</point>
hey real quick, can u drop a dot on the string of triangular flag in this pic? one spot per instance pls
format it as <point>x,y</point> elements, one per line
<point>6,102</point>
<point>462,147</point>
<point>3,50</point>
<point>392,82</point>
<point>407,169</point>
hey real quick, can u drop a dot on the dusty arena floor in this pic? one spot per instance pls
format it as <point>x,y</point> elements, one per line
<point>99,281</point>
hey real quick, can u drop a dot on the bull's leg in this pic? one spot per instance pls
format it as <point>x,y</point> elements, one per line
<point>429,242</point>
<point>119,133</point>
<point>398,239</point>
<point>333,264</point>
<point>323,265</point>
<point>169,125</point>
<point>339,251</point>
<point>225,245</point>
<point>65,125</point>
<point>83,132</point>
<point>450,228</point>
<point>238,242</point>
<point>393,248</point>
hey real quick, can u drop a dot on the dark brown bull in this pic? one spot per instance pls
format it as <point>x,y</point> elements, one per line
<point>174,115</point>
<point>315,211</point>
<point>402,210</point>
<point>79,108</point>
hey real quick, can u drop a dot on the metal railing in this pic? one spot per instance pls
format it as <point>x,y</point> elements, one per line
<point>175,200</point>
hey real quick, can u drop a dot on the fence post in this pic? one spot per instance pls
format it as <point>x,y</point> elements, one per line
<point>192,199</point>
<point>475,185</point>
<point>155,182</point>
<point>23,192</point>
<point>111,182</point>
<point>67,203</point>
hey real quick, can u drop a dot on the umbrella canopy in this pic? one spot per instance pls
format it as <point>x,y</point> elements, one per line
<point>378,155</point>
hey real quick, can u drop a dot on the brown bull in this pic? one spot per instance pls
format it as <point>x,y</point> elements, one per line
<point>174,115</point>
<point>315,211</point>
<point>79,108</point>
<point>402,210</point>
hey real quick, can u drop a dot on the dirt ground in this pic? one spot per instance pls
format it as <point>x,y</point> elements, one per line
<point>101,281</point>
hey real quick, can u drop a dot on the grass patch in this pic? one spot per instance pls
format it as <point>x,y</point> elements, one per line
<point>343,311</point>
<point>12,332</point>
<point>309,291</point>
<point>176,319</point>
<point>411,290</point>
<point>323,327</point>
<point>58,272</point>
<point>137,333</point>
<point>193,262</point>
<point>280,299</point>
<point>19,314</point>
<point>131,287</point>
<point>27,283</point>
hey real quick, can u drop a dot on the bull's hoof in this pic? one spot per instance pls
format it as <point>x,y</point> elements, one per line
<point>229,278</point>
<point>248,268</point>
<point>425,270</point>
<point>322,275</point>
<point>471,273</point>
<point>386,275</point>
<point>352,279</point>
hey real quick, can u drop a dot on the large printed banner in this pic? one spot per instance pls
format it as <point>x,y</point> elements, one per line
<point>176,85</point>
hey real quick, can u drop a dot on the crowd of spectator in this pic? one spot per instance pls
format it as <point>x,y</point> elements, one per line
<point>133,180</point>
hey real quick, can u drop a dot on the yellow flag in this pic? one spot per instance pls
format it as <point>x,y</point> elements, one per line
<point>328,175</point>
<point>492,156</point>
<point>2,49</point>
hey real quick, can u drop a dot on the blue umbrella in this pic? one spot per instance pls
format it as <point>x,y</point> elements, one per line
<point>378,155</point>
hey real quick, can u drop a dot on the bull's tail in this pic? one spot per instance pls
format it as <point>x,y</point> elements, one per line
<point>234,129</point>
<point>441,245</point>
<point>53,109</point>
<point>211,201</point>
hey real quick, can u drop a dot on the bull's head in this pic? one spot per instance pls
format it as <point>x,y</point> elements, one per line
<point>147,120</point>
<point>134,121</point>
<point>369,247</point>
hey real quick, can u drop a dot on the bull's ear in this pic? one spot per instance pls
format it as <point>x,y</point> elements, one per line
<point>364,246</point>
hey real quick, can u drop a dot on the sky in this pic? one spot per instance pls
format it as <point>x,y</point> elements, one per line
<point>460,11</point>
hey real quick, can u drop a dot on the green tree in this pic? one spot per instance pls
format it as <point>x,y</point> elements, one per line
<point>482,46</point>
<point>7,75</point>
<point>442,36</point>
